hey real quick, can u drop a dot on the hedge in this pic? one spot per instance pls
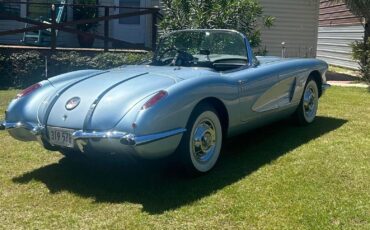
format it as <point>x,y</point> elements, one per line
<point>20,69</point>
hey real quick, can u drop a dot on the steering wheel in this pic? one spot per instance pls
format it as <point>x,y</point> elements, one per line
<point>168,50</point>
<point>181,56</point>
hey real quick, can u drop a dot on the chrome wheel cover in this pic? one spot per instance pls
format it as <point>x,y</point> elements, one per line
<point>310,102</point>
<point>205,141</point>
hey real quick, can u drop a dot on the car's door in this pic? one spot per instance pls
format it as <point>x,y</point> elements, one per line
<point>257,94</point>
<point>265,90</point>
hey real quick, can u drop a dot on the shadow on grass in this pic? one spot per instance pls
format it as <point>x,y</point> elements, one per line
<point>160,189</point>
<point>333,76</point>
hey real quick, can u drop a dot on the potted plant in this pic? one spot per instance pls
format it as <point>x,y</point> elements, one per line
<point>85,11</point>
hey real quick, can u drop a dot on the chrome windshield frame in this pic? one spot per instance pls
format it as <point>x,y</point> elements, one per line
<point>248,49</point>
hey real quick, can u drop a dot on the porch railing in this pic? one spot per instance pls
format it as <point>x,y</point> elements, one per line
<point>69,26</point>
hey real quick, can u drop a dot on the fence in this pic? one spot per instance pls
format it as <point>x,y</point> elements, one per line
<point>69,26</point>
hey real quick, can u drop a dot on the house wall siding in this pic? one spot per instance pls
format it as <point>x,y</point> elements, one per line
<point>334,14</point>
<point>100,29</point>
<point>296,23</point>
<point>11,25</point>
<point>338,29</point>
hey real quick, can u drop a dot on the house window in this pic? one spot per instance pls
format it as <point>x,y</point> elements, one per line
<point>10,8</point>
<point>36,10</point>
<point>134,20</point>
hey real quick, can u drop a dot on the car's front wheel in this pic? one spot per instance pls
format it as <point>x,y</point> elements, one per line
<point>201,144</point>
<point>307,108</point>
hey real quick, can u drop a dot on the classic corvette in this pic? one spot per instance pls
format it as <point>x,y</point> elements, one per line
<point>200,87</point>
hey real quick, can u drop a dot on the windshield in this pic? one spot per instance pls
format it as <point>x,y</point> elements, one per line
<point>204,48</point>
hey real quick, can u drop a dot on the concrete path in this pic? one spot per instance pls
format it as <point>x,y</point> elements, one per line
<point>348,84</point>
<point>345,80</point>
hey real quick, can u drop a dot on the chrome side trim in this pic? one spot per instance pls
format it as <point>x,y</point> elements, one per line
<point>127,138</point>
<point>33,128</point>
<point>140,140</point>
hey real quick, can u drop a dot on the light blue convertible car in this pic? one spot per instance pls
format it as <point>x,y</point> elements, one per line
<point>201,87</point>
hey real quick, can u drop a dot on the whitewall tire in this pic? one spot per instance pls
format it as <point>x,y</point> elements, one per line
<point>201,144</point>
<point>308,106</point>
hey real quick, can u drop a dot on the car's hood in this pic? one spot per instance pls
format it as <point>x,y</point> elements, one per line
<point>263,60</point>
<point>106,97</point>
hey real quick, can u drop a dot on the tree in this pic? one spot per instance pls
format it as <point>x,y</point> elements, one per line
<point>361,50</point>
<point>245,16</point>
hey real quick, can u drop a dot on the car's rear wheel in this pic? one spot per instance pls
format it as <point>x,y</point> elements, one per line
<point>201,145</point>
<point>307,109</point>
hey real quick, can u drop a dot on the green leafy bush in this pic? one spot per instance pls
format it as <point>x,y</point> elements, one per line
<point>26,68</point>
<point>109,60</point>
<point>245,16</point>
<point>361,53</point>
<point>63,62</point>
<point>5,78</point>
<point>21,69</point>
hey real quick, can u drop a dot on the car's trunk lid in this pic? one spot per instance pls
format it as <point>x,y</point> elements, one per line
<point>105,98</point>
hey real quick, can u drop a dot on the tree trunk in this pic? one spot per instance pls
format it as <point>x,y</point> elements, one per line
<point>365,64</point>
<point>366,40</point>
<point>367,32</point>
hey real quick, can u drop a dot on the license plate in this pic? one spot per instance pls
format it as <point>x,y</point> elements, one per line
<point>61,137</point>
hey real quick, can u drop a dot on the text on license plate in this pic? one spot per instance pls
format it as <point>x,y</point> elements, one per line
<point>61,137</point>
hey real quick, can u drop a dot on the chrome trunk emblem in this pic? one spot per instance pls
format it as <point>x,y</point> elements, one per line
<point>72,103</point>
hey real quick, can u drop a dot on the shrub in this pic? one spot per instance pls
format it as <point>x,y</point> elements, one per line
<point>245,16</point>
<point>25,68</point>
<point>63,62</point>
<point>5,78</point>
<point>361,53</point>
<point>111,60</point>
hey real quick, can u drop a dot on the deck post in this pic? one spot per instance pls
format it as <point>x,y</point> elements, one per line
<point>154,30</point>
<point>53,38</point>
<point>106,28</point>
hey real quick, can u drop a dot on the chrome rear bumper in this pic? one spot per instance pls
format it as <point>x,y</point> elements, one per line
<point>34,129</point>
<point>125,138</point>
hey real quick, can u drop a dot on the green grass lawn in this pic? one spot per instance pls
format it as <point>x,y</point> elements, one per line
<point>279,176</point>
